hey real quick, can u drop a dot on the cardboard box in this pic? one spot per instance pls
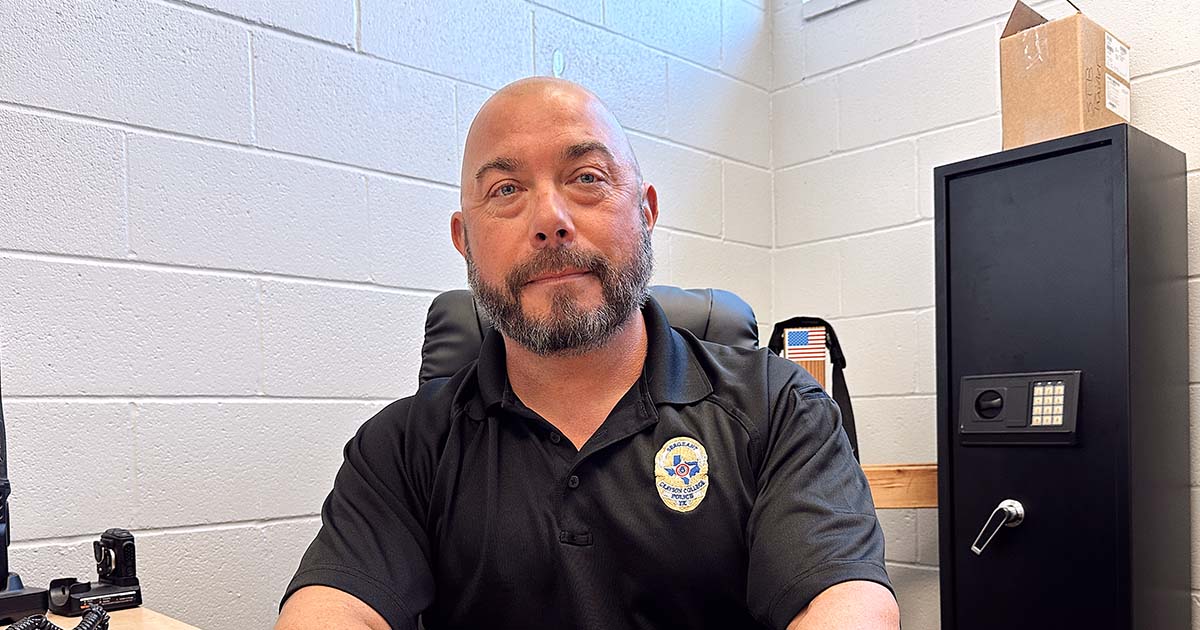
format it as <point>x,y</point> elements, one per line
<point>1059,77</point>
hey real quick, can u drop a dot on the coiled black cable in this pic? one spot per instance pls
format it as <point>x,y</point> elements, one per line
<point>30,623</point>
<point>96,618</point>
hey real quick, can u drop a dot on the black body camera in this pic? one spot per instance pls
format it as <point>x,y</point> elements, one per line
<point>118,588</point>
<point>115,559</point>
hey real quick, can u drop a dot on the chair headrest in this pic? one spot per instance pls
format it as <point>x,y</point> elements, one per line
<point>456,326</point>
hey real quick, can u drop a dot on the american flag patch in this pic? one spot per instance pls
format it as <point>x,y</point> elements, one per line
<point>804,344</point>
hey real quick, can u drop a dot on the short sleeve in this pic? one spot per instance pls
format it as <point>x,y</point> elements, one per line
<point>813,523</point>
<point>372,544</point>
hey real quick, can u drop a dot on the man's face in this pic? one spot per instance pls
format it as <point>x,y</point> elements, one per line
<point>556,223</point>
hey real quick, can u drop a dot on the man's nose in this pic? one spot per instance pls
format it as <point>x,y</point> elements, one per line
<point>552,225</point>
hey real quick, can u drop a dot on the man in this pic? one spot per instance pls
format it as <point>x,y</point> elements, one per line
<point>594,468</point>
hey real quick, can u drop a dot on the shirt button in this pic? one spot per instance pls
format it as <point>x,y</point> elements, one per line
<point>573,482</point>
<point>555,437</point>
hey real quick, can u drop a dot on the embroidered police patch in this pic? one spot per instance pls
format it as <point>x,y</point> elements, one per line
<point>681,473</point>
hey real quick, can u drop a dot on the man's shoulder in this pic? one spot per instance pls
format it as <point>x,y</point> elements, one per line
<point>430,411</point>
<point>734,369</point>
<point>755,387</point>
<point>755,382</point>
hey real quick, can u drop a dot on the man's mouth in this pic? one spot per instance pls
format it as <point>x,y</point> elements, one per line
<point>565,274</point>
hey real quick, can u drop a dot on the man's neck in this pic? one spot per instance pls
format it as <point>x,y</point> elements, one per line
<point>575,393</point>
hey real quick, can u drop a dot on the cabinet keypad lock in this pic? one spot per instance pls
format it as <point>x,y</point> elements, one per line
<point>1019,409</point>
<point>1009,513</point>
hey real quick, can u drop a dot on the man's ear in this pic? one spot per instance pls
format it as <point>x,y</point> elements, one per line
<point>458,233</point>
<point>649,207</point>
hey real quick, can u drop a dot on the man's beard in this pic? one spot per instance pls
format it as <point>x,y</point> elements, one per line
<point>568,328</point>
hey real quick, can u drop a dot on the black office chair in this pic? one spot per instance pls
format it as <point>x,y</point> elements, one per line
<point>455,326</point>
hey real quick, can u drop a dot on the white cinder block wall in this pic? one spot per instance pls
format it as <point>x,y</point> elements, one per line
<point>221,222</point>
<point>867,98</point>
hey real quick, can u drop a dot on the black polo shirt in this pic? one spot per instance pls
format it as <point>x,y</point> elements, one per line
<point>719,493</point>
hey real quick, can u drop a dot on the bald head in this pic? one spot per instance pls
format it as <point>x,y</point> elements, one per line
<point>556,221</point>
<point>544,109</point>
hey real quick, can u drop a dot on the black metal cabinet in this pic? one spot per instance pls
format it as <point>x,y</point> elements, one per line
<point>1062,400</point>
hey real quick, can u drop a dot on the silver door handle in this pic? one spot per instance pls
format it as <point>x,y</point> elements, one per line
<point>1009,513</point>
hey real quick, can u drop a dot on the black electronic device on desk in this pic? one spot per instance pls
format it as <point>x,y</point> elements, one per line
<point>16,601</point>
<point>25,608</point>
<point>118,587</point>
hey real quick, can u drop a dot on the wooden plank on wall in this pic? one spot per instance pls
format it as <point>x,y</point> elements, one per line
<point>903,485</point>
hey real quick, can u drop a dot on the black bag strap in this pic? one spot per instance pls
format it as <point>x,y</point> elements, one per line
<point>841,395</point>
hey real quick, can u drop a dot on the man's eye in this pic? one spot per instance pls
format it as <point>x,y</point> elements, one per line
<point>506,190</point>
<point>588,178</point>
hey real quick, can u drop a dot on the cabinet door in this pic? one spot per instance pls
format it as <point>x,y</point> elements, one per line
<point>1035,280</point>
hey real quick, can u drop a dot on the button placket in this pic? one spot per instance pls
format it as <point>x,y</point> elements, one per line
<point>574,531</point>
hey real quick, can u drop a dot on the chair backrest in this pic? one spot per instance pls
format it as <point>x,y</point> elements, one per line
<point>455,325</point>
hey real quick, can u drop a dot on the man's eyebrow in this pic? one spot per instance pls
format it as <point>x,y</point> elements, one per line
<point>506,164</point>
<point>580,149</point>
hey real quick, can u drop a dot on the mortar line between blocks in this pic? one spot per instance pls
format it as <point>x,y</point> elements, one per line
<point>774,293</point>
<point>358,25</point>
<point>668,229</point>
<point>137,450</point>
<point>189,399</point>
<point>919,42</point>
<point>721,37</point>
<point>915,311</point>
<point>144,265</point>
<point>667,100</point>
<point>33,543</point>
<point>870,232</point>
<point>76,118</point>
<point>305,39</point>
<point>458,150</point>
<point>1164,72</point>
<point>366,188</point>
<point>908,396</point>
<point>262,341</point>
<point>129,253</point>
<point>665,53</point>
<point>349,48</point>
<point>253,93</point>
<point>725,203</point>
<point>223,144</point>
<point>209,12</point>
<point>841,281</point>
<point>680,145</point>
<point>916,178</point>
<point>917,135</point>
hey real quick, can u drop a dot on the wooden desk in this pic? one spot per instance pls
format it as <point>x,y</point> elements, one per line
<point>131,619</point>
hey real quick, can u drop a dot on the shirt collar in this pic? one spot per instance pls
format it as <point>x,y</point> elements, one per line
<point>671,371</point>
